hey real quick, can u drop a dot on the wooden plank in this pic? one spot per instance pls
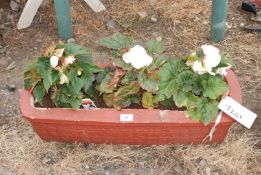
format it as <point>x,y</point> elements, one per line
<point>28,13</point>
<point>62,8</point>
<point>218,19</point>
<point>95,5</point>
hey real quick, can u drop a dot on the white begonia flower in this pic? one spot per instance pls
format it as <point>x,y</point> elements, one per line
<point>64,79</point>
<point>54,61</point>
<point>198,67</point>
<point>211,57</point>
<point>223,70</point>
<point>137,57</point>
<point>59,52</point>
<point>69,60</point>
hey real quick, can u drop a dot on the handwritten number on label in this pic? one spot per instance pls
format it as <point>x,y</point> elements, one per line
<point>238,112</point>
<point>233,112</point>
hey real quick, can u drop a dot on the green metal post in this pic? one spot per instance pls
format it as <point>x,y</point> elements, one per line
<point>62,8</point>
<point>218,19</point>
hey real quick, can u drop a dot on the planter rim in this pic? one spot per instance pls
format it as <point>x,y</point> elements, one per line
<point>110,115</point>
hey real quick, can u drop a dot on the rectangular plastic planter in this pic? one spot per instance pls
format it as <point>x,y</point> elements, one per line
<point>104,125</point>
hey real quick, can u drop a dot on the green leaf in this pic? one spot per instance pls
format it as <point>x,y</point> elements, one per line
<point>76,82</point>
<point>124,92</point>
<point>167,74</point>
<point>205,111</point>
<point>31,77</point>
<point>81,53</point>
<point>89,67</point>
<point>55,77</point>
<point>130,100</point>
<point>147,100</point>
<point>108,99</point>
<point>101,75</point>
<point>75,102</point>
<point>192,57</point>
<point>200,54</point>
<point>194,114</point>
<point>160,96</point>
<point>185,99</point>
<point>185,80</point>
<point>60,45</point>
<point>171,69</point>
<point>154,47</point>
<point>116,41</point>
<point>64,99</point>
<point>128,78</point>
<point>60,99</point>
<point>202,103</point>
<point>214,87</point>
<point>39,93</point>
<point>27,84</point>
<point>67,97</point>
<point>118,62</point>
<point>87,82</point>
<point>147,83</point>
<point>47,80</point>
<point>158,62</point>
<point>226,61</point>
<point>91,92</point>
<point>117,53</point>
<point>104,84</point>
<point>197,86</point>
<point>70,90</point>
<point>168,102</point>
<point>43,67</point>
<point>27,78</point>
<point>180,99</point>
<point>118,74</point>
<point>168,88</point>
<point>211,112</point>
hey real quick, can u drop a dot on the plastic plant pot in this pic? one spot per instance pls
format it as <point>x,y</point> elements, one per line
<point>103,125</point>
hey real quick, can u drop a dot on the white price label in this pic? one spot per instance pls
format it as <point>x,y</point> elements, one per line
<point>237,111</point>
<point>126,117</point>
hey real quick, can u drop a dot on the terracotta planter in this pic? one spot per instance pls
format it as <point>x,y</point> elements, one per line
<point>104,126</point>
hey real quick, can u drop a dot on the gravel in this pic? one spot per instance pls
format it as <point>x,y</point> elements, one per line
<point>14,5</point>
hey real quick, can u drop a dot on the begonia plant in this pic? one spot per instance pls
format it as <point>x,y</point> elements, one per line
<point>195,83</point>
<point>65,73</point>
<point>141,74</point>
<point>134,78</point>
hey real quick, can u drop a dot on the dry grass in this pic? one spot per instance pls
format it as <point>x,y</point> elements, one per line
<point>238,155</point>
<point>23,152</point>
<point>183,26</point>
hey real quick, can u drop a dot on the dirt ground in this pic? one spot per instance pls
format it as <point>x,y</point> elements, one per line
<point>183,27</point>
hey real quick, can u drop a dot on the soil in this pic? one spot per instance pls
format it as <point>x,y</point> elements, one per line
<point>183,27</point>
<point>99,102</point>
<point>4,3</point>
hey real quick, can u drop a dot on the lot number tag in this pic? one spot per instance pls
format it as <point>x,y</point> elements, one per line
<point>237,111</point>
<point>126,117</point>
